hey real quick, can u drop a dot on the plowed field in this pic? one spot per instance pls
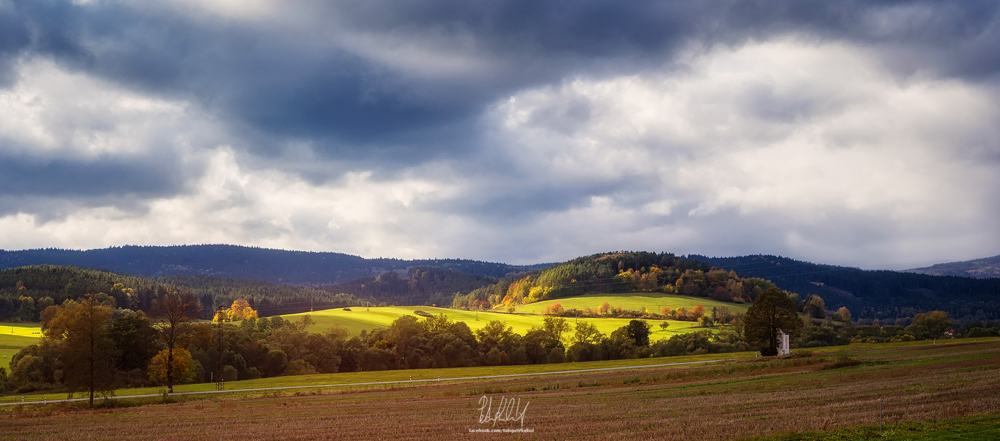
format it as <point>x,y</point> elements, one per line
<point>742,398</point>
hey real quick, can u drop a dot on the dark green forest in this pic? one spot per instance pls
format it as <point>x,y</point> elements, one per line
<point>239,262</point>
<point>420,286</point>
<point>873,294</point>
<point>26,292</point>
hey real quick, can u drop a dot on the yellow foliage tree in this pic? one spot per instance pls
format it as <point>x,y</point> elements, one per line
<point>183,366</point>
<point>241,310</point>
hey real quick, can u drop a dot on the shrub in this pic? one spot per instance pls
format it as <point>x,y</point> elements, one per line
<point>299,367</point>
<point>229,373</point>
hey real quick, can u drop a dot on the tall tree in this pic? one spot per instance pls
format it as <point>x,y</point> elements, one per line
<point>172,312</point>
<point>135,339</point>
<point>638,331</point>
<point>773,310</point>
<point>814,306</point>
<point>88,353</point>
<point>930,325</point>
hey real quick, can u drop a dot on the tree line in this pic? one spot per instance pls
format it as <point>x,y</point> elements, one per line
<point>27,291</point>
<point>243,262</point>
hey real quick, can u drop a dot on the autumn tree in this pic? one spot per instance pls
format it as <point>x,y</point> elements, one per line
<point>843,315</point>
<point>814,307</point>
<point>772,311</point>
<point>930,325</point>
<point>240,310</point>
<point>697,312</point>
<point>554,309</point>
<point>172,312</point>
<point>604,309</point>
<point>87,352</point>
<point>181,367</point>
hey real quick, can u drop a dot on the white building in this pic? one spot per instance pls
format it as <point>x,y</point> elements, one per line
<point>783,343</point>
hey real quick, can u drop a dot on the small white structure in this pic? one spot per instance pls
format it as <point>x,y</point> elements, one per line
<point>783,343</point>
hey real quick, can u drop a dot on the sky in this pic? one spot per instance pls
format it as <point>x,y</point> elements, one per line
<point>860,133</point>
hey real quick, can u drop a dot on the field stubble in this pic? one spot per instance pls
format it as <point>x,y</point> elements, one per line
<point>737,399</point>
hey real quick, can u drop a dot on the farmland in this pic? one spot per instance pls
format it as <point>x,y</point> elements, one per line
<point>636,301</point>
<point>360,318</point>
<point>13,337</point>
<point>925,389</point>
<point>527,316</point>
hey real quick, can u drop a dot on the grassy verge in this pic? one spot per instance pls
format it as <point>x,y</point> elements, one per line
<point>979,427</point>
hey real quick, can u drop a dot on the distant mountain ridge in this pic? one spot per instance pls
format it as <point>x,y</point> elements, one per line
<point>870,294</point>
<point>977,268</point>
<point>240,262</point>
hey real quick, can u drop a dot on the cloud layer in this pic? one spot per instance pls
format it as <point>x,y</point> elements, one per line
<point>854,133</point>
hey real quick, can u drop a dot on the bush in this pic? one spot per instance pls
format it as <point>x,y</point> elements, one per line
<point>980,332</point>
<point>299,367</point>
<point>816,336</point>
<point>556,355</point>
<point>843,360</point>
<point>229,373</point>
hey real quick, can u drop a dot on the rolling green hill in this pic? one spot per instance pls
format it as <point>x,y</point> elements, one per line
<point>360,318</point>
<point>635,301</point>
<point>625,272</point>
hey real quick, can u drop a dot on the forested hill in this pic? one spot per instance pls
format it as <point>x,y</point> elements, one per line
<point>873,294</point>
<point>25,292</point>
<point>617,272</point>
<point>419,286</point>
<point>238,262</point>
<point>979,268</point>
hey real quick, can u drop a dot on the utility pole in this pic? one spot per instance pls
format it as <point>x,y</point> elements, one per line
<point>220,381</point>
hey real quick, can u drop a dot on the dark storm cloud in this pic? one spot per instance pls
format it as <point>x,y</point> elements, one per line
<point>13,39</point>
<point>396,111</point>
<point>271,79</point>
<point>85,178</point>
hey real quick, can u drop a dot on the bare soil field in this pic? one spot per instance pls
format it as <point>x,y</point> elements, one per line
<point>745,398</point>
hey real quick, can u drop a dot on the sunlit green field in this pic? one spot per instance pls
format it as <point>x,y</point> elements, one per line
<point>360,318</point>
<point>13,337</point>
<point>634,301</point>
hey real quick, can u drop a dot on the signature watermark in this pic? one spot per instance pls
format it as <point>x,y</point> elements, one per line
<point>504,410</point>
